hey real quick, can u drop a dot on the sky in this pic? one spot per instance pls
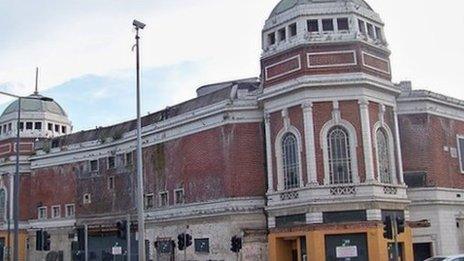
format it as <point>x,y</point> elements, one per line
<point>83,49</point>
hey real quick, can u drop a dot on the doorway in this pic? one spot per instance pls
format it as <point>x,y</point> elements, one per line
<point>422,251</point>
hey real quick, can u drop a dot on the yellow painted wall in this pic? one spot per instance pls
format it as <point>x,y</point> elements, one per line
<point>315,243</point>
<point>22,242</point>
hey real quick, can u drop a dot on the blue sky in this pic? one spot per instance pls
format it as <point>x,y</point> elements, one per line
<point>83,49</point>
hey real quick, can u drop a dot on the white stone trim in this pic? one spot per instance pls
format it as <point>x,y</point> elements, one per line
<point>374,68</point>
<point>353,144</point>
<point>66,215</point>
<point>175,196</point>
<point>220,207</point>
<point>160,199</point>
<point>270,172</point>
<point>311,166</point>
<point>314,218</point>
<point>52,211</point>
<point>332,65</point>
<point>298,57</point>
<point>278,155</point>
<point>399,156</point>
<point>56,223</point>
<point>367,140</point>
<point>391,149</point>
<point>374,214</point>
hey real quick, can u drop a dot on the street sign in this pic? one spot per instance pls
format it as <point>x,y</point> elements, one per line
<point>347,251</point>
<point>116,250</point>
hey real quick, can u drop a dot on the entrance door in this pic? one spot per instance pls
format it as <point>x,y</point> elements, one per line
<point>422,251</point>
<point>291,249</point>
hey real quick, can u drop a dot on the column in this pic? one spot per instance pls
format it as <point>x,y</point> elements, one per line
<point>270,173</point>
<point>398,149</point>
<point>309,143</point>
<point>367,139</point>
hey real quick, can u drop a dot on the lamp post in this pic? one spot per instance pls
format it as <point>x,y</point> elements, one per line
<point>139,197</point>
<point>16,176</point>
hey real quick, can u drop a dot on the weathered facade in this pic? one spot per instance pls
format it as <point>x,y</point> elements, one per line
<point>303,163</point>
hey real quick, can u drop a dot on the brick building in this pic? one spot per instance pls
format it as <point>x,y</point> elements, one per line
<point>301,163</point>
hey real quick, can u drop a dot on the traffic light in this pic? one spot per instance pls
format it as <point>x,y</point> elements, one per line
<point>188,239</point>
<point>122,229</point>
<point>400,224</point>
<point>181,241</point>
<point>387,229</point>
<point>39,240</point>
<point>46,241</point>
<point>236,244</point>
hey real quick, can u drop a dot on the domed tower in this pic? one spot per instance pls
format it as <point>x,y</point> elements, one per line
<point>40,118</point>
<point>333,155</point>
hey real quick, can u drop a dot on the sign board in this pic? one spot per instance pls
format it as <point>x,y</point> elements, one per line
<point>116,250</point>
<point>347,251</point>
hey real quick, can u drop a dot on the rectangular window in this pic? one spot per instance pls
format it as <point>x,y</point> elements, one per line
<point>202,245</point>
<point>370,30</point>
<point>362,26</point>
<point>87,199</point>
<point>10,126</point>
<point>42,213</point>
<point>111,162</point>
<point>149,201</point>
<point>57,128</point>
<point>461,152</point>
<point>93,165</point>
<point>179,198</point>
<point>21,125</point>
<point>292,29</point>
<point>70,211</point>
<point>282,34</point>
<point>29,125</point>
<point>110,183</point>
<point>1,128</point>
<point>56,212</point>
<point>378,33</point>
<point>271,38</point>
<point>327,25</point>
<point>129,160</point>
<point>342,24</point>
<point>63,129</point>
<point>313,25</point>
<point>163,199</point>
<point>50,127</point>
<point>4,128</point>
<point>38,125</point>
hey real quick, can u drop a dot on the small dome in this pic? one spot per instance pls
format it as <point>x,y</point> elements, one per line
<point>285,5</point>
<point>36,105</point>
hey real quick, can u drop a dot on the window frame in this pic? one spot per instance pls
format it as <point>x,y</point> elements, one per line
<point>279,156</point>
<point>53,211</point>
<point>293,30</point>
<point>379,126</point>
<point>176,198</point>
<point>338,19</point>
<point>129,155</point>
<point>45,211</point>
<point>323,26</point>
<point>66,213</point>
<point>108,165</point>
<point>271,39</point>
<point>308,26</point>
<point>146,196</point>
<point>29,125</point>
<point>110,182</point>
<point>196,243</point>
<point>160,199</point>
<point>362,26</point>
<point>90,165</point>
<point>460,153</point>
<point>38,124</point>
<point>282,34</point>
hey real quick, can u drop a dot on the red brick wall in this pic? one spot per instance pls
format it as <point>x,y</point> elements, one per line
<point>302,52</point>
<point>423,137</point>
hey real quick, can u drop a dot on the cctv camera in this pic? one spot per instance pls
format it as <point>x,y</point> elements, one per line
<point>138,25</point>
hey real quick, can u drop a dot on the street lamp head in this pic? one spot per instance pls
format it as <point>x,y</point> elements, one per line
<point>138,24</point>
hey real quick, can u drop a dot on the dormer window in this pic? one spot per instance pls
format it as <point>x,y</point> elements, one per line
<point>378,33</point>
<point>313,26</point>
<point>282,34</point>
<point>292,29</point>
<point>370,31</point>
<point>342,24</point>
<point>271,39</point>
<point>327,25</point>
<point>362,26</point>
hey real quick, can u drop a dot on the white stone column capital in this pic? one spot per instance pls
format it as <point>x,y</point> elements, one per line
<point>270,172</point>
<point>307,106</point>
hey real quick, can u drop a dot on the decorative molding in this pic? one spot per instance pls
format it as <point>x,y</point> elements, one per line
<point>367,139</point>
<point>391,150</point>
<point>388,71</point>
<point>278,155</point>
<point>270,171</point>
<point>266,69</point>
<point>352,52</point>
<point>311,166</point>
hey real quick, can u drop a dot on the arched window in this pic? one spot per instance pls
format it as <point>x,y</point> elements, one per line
<point>290,161</point>
<point>2,204</point>
<point>383,156</point>
<point>339,154</point>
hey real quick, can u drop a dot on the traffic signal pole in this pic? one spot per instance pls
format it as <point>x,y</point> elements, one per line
<point>185,249</point>
<point>395,237</point>
<point>128,236</point>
